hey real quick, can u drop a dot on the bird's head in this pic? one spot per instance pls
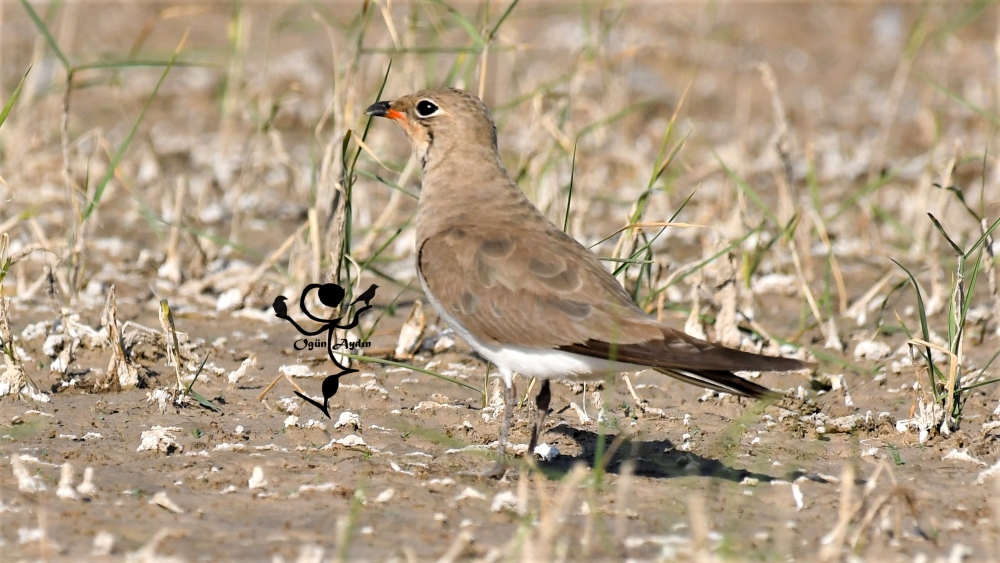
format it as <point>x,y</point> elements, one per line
<point>440,120</point>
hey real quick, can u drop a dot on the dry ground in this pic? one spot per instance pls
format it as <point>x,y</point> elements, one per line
<point>812,137</point>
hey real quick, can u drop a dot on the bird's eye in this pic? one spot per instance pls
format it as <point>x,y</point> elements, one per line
<point>426,108</point>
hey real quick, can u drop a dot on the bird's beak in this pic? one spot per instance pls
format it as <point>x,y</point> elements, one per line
<point>384,109</point>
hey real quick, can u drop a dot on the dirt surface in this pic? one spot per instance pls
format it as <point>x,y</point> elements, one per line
<point>812,137</point>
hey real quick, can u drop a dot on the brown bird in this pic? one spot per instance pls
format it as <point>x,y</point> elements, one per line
<point>524,294</point>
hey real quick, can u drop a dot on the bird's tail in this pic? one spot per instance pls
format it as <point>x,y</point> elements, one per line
<point>719,380</point>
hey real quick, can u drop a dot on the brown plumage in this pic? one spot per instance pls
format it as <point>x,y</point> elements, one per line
<point>527,296</point>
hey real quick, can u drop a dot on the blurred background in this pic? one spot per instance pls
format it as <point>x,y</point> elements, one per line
<point>840,115</point>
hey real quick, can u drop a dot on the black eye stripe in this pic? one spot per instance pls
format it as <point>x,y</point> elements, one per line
<point>426,108</point>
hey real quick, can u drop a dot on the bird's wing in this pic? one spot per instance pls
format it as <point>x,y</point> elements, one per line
<point>504,286</point>
<point>676,351</point>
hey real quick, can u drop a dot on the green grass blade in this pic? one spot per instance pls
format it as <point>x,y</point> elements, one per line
<point>387,243</point>
<point>503,18</point>
<point>569,197</point>
<point>924,330</point>
<point>13,97</point>
<point>464,23</point>
<point>44,30</point>
<point>746,189</point>
<point>982,239</point>
<point>387,182</point>
<point>971,286</point>
<point>373,360</point>
<point>715,256</point>
<point>624,112</point>
<point>977,384</point>
<point>670,158</point>
<point>940,228</point>
<point>867,189</point>
<point>116,159</point>
<point>988,115</point>
<point>105,65</point>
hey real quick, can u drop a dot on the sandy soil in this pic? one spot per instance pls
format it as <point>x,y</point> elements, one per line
<point>250,138</point>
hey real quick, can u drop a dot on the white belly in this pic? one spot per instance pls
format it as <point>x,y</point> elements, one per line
<point>543,363</point>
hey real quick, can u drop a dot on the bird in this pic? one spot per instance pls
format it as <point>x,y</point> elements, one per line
<point>525,295</point>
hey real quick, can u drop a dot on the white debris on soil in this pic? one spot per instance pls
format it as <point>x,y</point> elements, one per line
<point>780,284</point>
<point>962,455</point>
<point>685,443</point>
<point>873,350</point>
<point>505,501</point>
<point>831,479</point>
<point>288,405</point>
<point>833,341</point>
<point>584,417</point>
<point>411,333</point>
<point>164,398</point>
<point>293,421</point>
<point>14,380</point>
<point>826,424</point>
<point>797,496</point>
<point>992,471</point>
<point>840,383</point>
<point>230,299</point>
<point>257,480</point>
<point>672,547</point>
<point>443,343</point>
<point>160,438</point>
<point>26,482</point>
<point>348,418</point>
<point>929,416</point>
<point>439,484</point>
<point>86,487</point>
<point>370,385</point>
<point>235,376</point>
<point>385,496</point>
<point>349,441</point>
<point>163,501</point>
<point>298,370</point>
<point>104,544</point>
<point>469,493</point>
<point>65,488</point>
<point>321,488</point>
<point>87,436</point>
<point>431,405</point>
<point>396,467</point>
<point>35,330</point>
<point>30,535</point>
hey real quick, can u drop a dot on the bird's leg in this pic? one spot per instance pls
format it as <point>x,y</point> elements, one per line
<point>508,417</point>
<point>542,407</point>
<point>500,467</point>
